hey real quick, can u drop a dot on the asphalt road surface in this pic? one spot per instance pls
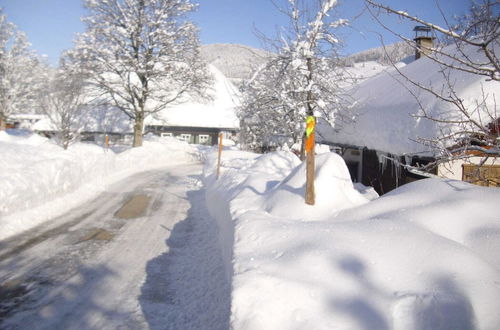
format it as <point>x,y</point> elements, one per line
<point>142,255</point>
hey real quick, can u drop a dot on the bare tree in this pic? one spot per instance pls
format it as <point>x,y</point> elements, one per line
<point>63,100</point>
<point>468,48</point>
<point>143,55</point>
<point>19,71</point>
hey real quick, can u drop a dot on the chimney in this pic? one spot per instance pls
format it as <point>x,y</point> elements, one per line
<point>424,40</point>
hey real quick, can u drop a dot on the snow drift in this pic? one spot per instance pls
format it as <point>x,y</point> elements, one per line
<point>41,180</point>
<point>421,257</point>
<point>424,256</point>
<point>333,187</point>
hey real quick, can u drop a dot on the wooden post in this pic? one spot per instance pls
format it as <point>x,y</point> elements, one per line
<point>310,143</point>
<point>106,142</point>
<point>219,155</point>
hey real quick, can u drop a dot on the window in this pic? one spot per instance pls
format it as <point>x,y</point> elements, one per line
<point>204,139</point>
<point>165,134</point>
<point>185,137</point>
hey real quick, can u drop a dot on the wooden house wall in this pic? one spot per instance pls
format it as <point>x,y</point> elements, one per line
<point>195,132</point>
<point>382,178</point>
<point>386,178</point>
<point>487,175</point>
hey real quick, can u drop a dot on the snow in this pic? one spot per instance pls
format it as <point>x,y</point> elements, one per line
<point>424,256</point>
<point>335,191</point>
<point>236,62</point>
<point>218,112</point>
<point>92,119</point>
<point>40,178</point>
<point>361,71</point>
<point>385,116</point>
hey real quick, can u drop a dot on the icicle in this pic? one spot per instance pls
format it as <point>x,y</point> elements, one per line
<point>396,171</point>
<point>382,160</point>
<point>408,159</point>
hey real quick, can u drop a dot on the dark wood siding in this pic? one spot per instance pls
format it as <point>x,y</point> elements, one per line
<point>386,178</point>
<point>195,132</point>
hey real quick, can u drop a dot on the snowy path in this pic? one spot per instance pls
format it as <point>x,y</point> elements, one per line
<point>142,255</point>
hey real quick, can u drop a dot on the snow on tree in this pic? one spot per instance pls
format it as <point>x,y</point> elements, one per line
<point>470,47</point>
<point>301,78</point>
<point>142,55</point>
<point>268,117</point>
<point>19,72</point>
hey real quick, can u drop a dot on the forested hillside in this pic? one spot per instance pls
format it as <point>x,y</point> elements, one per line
<point>396,52</point>
<point>236,62</point>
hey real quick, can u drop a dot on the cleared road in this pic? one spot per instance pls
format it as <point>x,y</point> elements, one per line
<point>144,254</point>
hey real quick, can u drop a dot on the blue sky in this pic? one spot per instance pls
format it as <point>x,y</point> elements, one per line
<point>51,24</point>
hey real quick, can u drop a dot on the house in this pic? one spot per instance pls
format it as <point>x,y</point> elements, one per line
<point>387,121</point>
<point>195,120</point>
<point>200,120</point>
<point>23,121</point>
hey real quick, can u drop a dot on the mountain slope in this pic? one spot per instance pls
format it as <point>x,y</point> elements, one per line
<point>396,52</point>
<point>235,61</point>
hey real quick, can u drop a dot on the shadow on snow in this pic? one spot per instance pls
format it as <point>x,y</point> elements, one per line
<point>186,287</point>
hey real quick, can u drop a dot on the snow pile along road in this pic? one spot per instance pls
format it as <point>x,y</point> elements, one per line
<point>424,256</point>
<point>40,180</point>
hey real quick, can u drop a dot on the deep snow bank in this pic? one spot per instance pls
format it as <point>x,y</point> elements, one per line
<point>424,256</point>
<point>40,180</point>
<point>333,187</point>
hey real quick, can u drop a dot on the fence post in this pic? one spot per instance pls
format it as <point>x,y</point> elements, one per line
<point>219,155</point>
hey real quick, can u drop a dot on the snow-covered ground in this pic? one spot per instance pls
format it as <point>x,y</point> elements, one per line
<point>104,264</point>
<point>425,256</point>
<point>40,180</point>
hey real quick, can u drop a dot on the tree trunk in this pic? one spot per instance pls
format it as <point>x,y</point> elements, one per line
<point>138,127</point>
<point>3,124</point>
<point>303,147</point>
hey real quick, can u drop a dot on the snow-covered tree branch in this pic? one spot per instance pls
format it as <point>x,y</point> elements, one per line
<point>19,72</point>
<point>479,29</point>
<point>142,55</point>
<point>301,78</point>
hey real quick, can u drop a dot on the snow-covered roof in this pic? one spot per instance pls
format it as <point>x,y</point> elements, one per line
<point>26,116</point>
<point>217,113</point>
<point>93,119</point>
<point>384,113</point>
